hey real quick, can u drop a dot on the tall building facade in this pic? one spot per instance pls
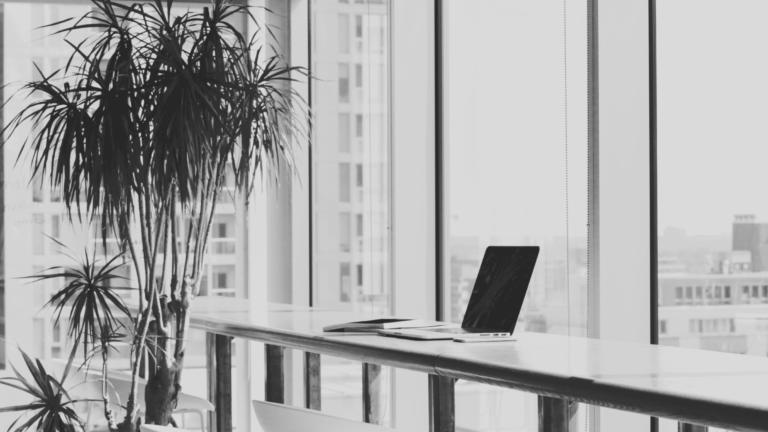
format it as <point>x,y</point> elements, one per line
<point>350,154</point>
<point>750,235</point>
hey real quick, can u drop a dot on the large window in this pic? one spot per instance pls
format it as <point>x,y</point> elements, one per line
<point>516,146</point>
<point>713,216</point>
<point>350,174</point>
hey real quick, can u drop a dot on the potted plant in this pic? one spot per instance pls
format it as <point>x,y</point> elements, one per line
<point>138,130</point>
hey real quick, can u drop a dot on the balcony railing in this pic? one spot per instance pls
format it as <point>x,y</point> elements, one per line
<point>222,246</point>
<point>696,388</point>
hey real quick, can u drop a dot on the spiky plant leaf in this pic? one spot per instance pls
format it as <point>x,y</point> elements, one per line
<point>93,305</point>
<point>51,409</point>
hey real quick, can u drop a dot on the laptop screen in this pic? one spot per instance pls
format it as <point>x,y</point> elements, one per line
<point>500,287</point>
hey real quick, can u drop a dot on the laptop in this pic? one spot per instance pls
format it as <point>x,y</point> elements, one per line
<point>496,299</point>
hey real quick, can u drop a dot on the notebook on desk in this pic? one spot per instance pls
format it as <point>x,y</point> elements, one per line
<point>496,299</point>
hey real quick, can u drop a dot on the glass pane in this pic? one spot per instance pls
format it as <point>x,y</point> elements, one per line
<point>350,182</point>
<point>713,255</point>
<point>344,33</point>
<point>38,234</point>
<point>345,138</point>
<point>37,188</point>
<point>344,182</point>
<point>516,171</point>
<point>38,337</point>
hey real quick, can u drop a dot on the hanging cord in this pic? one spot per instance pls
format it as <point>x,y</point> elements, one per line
<point>370,153</point>
<point>567,233</point>
<point>589,201</point>
<point>384,371</point>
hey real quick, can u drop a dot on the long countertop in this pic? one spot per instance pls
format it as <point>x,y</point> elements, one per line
<point>701,387</point>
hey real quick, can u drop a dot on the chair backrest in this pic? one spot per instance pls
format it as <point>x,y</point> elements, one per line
<point>281,418</point>
<point>80,384</point>
<point>156,428</point>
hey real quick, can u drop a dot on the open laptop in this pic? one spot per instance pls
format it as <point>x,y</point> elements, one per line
<point>496,299</point>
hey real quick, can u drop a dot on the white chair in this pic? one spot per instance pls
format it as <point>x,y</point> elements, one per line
<point>275,417</point>
<point>156,428</point>
<point>87,385</point>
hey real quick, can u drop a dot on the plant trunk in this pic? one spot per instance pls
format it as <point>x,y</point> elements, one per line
<point>164,375</point>
<point>126,426</point>
<point>162,392</point>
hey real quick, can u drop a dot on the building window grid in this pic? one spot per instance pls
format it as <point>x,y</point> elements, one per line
<point>711,294</point>
<point>344,82</point>
<point>711,326</point>
<point>343,33</point>
<point>38,236</point>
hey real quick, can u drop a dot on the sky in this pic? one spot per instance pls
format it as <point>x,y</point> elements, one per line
<point>505,116</point>
<point>505,102</point>
<point>712,92</point>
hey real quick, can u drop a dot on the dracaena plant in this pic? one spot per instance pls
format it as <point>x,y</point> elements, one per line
<point>138,131</point>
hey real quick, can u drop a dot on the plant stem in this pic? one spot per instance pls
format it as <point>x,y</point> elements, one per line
<point>136,353</point>
<point>108,414</point>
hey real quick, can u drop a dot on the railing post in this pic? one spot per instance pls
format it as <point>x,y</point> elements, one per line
<point>442,412</point>
<point>219,368</point>
<point>687,427</point>
<point>557,415</point>
<point>210,368</point>
<point>274,390</point>
<point>312,397</point>
<point>372,394</point>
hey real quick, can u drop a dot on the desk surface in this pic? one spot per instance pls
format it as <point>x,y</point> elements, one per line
<point>703,387</point>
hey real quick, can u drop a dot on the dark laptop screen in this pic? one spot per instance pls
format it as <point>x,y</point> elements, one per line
<point>500,287</point>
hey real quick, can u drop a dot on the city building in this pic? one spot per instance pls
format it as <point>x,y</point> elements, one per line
<point>351,157</point>
<point>725,309</point>
<point>719,312</point>
<point>750,235</point>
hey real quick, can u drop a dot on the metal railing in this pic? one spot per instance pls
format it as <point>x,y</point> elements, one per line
<point>555,414</point>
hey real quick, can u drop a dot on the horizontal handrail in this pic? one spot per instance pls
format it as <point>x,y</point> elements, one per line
<point>660,392</point>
